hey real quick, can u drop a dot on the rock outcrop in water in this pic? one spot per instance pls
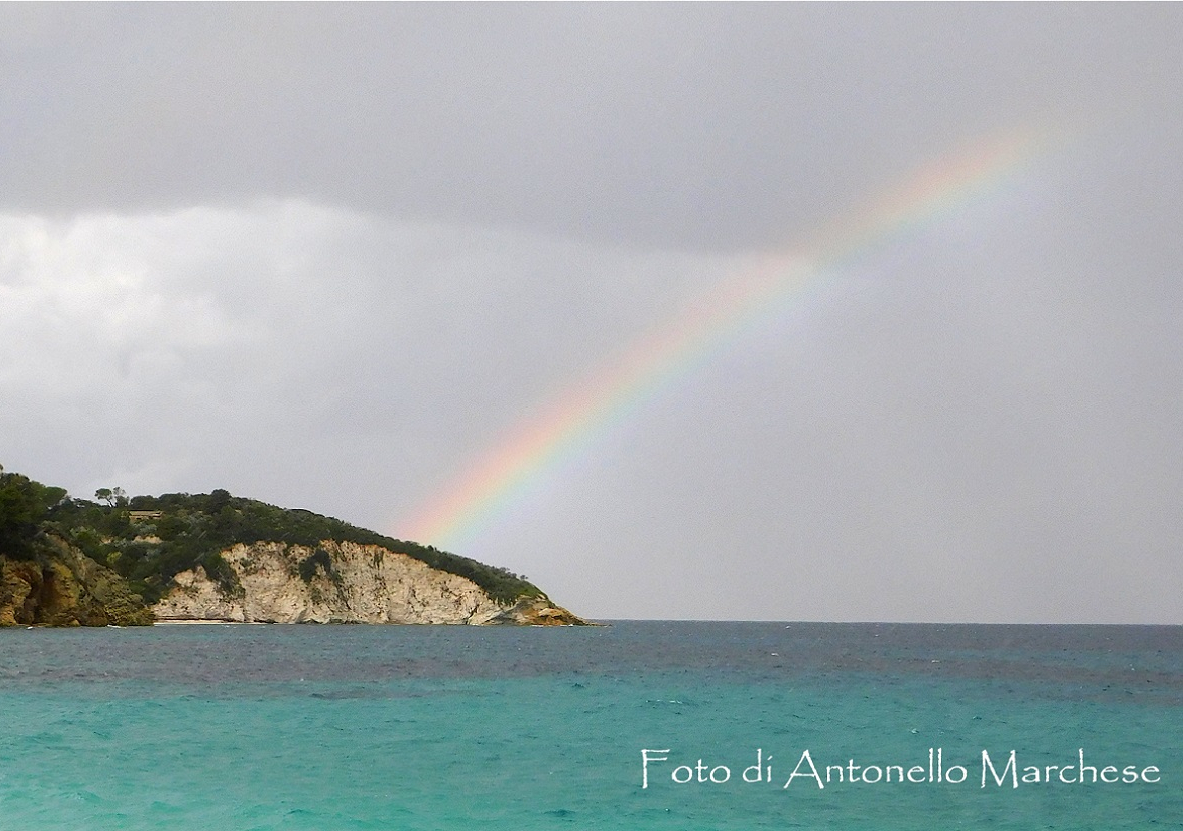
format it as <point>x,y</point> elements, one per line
<point>342,582</point>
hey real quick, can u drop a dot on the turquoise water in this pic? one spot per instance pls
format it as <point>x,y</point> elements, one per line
<point>350,727</point>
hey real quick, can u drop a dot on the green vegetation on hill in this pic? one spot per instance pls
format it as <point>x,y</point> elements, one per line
<point>24,506</point>
<point>150,539</point>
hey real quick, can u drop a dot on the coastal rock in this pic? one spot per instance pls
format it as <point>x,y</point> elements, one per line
<point>536,611</point>
<point>340,582</point>
<point>62,587</point>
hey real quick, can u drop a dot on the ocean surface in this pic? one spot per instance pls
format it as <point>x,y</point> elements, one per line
<point>356,727</point>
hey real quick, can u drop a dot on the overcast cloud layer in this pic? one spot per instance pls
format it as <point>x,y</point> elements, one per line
<point>328,256</point>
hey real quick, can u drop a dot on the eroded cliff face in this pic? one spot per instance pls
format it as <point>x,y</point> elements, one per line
<point>342,582</point>
<point>66,588</point>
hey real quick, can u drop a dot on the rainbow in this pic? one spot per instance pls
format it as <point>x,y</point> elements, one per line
<point>571,423</point>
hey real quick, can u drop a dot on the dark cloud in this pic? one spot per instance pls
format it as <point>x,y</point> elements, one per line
<point>674,126</point>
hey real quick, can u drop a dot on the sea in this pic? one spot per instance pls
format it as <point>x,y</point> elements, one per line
<point>632,725</point>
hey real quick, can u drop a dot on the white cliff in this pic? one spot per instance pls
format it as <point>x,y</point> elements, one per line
<point>342,582</point>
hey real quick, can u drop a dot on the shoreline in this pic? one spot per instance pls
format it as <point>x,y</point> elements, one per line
<point>206,622</point>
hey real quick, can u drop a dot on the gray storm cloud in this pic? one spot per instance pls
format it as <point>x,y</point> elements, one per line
<point>711,126</point>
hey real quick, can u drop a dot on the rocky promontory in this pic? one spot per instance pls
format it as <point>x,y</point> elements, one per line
<point>189,557</point>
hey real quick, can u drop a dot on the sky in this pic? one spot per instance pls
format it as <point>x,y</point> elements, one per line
<point>608,295</point>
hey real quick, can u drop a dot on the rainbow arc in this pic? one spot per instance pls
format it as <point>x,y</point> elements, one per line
<point>575,419</point>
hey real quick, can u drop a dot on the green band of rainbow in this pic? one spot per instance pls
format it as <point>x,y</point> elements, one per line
<point>585,411</point>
